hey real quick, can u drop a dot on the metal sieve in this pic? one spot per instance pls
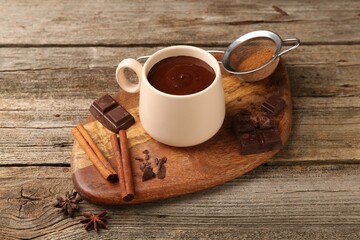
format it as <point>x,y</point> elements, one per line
<point>255,55</point>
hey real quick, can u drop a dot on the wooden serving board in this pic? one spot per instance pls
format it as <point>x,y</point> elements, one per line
<point>188,169</point>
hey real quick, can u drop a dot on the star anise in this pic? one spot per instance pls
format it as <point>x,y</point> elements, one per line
<point>68,203</point>
<point>94,221</point>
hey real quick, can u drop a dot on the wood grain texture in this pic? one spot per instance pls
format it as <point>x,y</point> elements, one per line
<point>173,22</point>
<point>304,202</point>
<point>56,57</point>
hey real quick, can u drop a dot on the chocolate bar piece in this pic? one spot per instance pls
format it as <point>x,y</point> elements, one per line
<point>256,135</point>
<point>111,114</point>
<point>250,143</point>
<point>271,139</point>
<point>264,122</point>
<point>273,105</point>
<point>260,141</point>
<point>242,122</point>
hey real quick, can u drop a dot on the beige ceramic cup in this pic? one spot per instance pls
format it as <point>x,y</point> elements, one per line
<point>176,120</point>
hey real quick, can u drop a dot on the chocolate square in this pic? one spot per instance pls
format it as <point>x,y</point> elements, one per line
<point>272,140</point>
<point>250,143</point>
<point>120,118</point>
<point>105,103</point>
<point>111,114</point>
<point>273,105</point>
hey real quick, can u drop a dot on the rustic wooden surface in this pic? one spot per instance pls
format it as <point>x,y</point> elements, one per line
<point>56,57</point>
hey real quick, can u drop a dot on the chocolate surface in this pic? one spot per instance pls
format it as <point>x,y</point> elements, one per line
<point>273,105</point>
<point>256,134</point>
<point>111,114</point>
<point>181,75</point>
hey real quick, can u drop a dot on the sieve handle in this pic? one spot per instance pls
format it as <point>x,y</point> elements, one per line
<point>215,51</point>
<point>290,40</point>
<point>143,58</point>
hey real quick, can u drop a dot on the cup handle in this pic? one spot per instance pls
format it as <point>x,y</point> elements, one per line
<point>121,79</point>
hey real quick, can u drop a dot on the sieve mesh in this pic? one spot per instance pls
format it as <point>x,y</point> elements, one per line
<point>252,54</point>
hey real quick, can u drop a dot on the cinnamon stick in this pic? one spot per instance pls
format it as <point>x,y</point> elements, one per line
<point>94,153</point>
<point>117,155</point>
<point>125,157</point>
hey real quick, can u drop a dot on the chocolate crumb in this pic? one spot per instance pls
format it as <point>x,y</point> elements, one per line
<point>139,159</point>
<point>162,160</point>
<point>144,165</point>
<point>161,173</point>
<point>148,173</point>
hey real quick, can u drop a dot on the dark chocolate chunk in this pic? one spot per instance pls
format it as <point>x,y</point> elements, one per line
<point>260,141</point>
<point>256,134</point>
<point>273,105</point>
<point>242,122</point>
<point>105,103</point>
<point>148,173</point>
<point>250,143</point>
<point>244,112</point>
<point>264,122</point>
<point>243,127</point>
<point>271,139</point>
<point>161,173</point>
<point>144,165</point>
<point>162,160</point>
<point>111,114</point>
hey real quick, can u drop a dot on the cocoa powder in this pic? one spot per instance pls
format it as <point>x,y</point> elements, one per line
<point>255,60</point>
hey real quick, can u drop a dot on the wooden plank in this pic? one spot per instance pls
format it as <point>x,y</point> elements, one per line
<point>270,202</point>
<point>172,22</point>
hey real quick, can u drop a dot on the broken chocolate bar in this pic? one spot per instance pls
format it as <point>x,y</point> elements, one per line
<point>111,114</point>
<point>273,105</point>
<point>256,136</point>
<point>271,139</point>
<point>250,143</point>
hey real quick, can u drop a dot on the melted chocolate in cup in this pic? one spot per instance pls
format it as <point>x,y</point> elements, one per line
<point>181,75</point>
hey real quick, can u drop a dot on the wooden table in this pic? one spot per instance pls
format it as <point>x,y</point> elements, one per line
<point>56,57</point>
